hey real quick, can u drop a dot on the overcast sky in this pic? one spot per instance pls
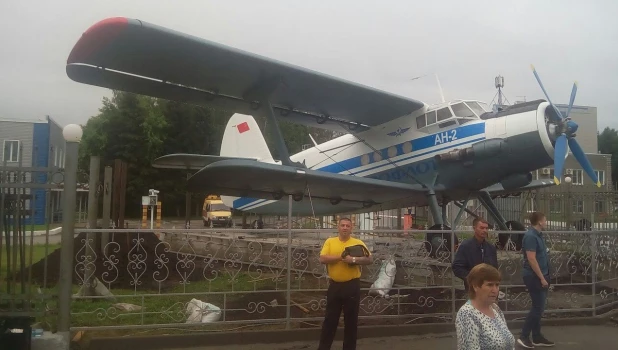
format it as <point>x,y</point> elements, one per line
<point>379,43</point>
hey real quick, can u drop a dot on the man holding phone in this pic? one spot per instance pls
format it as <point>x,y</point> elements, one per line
<point>536,277</point>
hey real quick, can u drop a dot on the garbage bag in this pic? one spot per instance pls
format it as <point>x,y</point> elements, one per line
<point>386,278</point>
<point>199,311</point>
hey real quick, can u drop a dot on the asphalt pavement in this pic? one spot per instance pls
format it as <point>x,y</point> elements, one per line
<point>565,337</point>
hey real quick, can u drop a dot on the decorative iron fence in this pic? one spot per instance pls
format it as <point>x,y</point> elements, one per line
<point>226,279</point>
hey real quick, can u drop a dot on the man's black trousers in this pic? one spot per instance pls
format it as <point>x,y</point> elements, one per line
<point>341,296</point>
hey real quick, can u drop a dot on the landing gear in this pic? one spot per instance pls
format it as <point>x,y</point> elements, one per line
<point>257,224</point>
<point>439,244</point>
<point>516,238</point>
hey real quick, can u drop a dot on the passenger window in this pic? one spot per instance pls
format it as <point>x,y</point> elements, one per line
<point>420,121</point>
<point>444,113</point>
<point>431,117</point>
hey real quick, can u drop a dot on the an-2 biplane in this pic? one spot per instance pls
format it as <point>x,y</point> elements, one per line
<point>396,151</point>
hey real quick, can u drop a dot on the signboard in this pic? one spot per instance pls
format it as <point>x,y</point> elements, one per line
<point>145,200</point>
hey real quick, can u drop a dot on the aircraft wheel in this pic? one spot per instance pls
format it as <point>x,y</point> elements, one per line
<point>257,224</point>
<point>439,244</point>
<point>518,238</point>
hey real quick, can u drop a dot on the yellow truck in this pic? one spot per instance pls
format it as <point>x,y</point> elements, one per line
<point>215,213</point>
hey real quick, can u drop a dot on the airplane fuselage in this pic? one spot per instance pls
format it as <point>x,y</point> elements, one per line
<point>506,149</point>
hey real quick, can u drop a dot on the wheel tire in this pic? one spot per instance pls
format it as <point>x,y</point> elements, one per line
<point>518,238</point>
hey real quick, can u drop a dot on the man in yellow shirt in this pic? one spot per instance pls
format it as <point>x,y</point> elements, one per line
<point>344,284</point>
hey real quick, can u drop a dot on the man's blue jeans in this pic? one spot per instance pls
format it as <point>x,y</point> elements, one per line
<point>538,294</point>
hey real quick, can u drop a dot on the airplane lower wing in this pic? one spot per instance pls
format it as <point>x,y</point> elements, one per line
<point>139,57</point>
<point>189,161</point>
<point>246,178</point>
<point>498,190</point>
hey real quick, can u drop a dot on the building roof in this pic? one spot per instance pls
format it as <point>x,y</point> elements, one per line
<point>15,120</point>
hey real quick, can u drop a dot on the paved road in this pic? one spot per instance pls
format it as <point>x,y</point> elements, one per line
<point>567,337</point>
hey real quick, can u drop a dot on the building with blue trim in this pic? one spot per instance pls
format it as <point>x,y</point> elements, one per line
<point>33,143</point>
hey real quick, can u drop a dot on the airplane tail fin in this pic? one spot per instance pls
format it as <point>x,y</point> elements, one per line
<point>243,138</point>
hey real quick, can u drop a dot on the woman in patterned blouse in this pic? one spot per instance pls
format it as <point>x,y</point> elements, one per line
<point>480,323</point>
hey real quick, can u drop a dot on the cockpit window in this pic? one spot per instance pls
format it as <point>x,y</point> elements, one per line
<point>476,108</point>
<point>444,113</point>
<point>431,117</point>
<point>462,110</point>
<point>420,121</point>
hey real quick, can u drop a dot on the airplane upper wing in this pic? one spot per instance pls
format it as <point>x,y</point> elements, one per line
<point>139,57</point>
<point>229,178</point>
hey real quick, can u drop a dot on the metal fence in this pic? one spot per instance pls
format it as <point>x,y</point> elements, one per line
<point>272,278</point>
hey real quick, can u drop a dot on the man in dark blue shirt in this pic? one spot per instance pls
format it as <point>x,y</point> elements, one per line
<point>474,251</point>
<point>536,276</point>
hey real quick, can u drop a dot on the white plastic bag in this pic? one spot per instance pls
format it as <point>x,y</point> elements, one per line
<point>386,278</point>
<point>200,311</point>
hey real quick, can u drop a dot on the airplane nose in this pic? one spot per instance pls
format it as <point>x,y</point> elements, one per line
<point>572,127</point>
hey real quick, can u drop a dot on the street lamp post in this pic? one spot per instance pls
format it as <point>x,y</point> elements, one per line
<point>72,134</point>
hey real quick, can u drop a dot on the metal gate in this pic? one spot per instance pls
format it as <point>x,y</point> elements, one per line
<point>28,192</point>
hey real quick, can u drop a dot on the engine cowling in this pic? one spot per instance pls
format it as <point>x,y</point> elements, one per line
<point>516,181</point>
<point>483,149</point>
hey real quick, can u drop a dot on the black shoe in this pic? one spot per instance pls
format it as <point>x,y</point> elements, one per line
<point>526,343</point>
<point>541,341</point>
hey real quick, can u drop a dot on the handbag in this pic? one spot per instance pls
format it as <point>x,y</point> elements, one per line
<point>357,251</point>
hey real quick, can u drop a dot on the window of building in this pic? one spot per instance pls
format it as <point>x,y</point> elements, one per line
<point>577,177</point>
<point>578,206</point>
<point>601,176</point>
<point>555,205</point>
<point>11,151</point>
<point>599,206</point>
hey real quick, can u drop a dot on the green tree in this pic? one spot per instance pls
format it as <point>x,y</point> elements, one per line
<point>139,129</point>
<point>608,144</point>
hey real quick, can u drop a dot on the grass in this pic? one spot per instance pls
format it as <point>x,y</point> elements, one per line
<point>38,253</point>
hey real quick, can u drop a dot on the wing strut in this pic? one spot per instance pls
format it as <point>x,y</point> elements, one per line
<point>284,154</point>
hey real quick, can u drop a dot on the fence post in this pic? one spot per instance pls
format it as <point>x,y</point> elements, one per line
<point>453,294</point>
<point>593,252</point>
<point>289,265</point>
<point>72,134</point>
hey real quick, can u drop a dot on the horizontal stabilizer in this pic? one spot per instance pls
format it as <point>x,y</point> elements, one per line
<point>498,190</point>
<point>245,178</point>
<point>189,161</point>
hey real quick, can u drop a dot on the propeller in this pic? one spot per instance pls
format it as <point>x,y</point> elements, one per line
<point>565,132</point>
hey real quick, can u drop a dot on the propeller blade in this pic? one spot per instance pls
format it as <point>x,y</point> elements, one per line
<point>560,152</point>
<point>583,161</point>
<point>573,92</point>
<point>538,79</point>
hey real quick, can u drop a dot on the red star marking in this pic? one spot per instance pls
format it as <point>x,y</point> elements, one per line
<point>242,127</point>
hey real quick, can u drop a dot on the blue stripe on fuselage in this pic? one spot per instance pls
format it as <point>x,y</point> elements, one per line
<point>419,144</point>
